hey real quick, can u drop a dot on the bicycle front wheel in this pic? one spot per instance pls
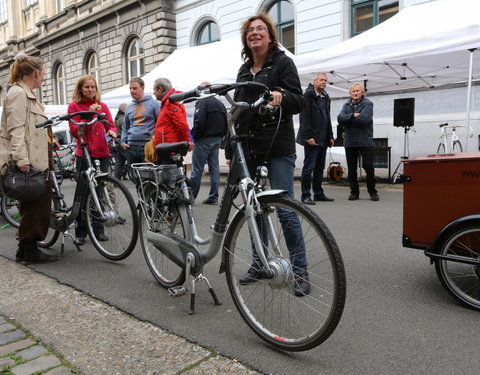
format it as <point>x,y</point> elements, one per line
<point>457,147</point>
<point>270,306</point>
<point>11,211</point>
<point>462,280</point>
<point>441,148</point>
<point>156,218</point>
<point>114,236</point>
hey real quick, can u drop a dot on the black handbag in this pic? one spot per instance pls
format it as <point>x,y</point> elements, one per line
<point>21,186</point>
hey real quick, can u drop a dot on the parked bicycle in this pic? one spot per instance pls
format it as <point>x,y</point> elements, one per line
<point>449,140</point>
<point>175,255</point>
<point>64,162</point>
<point>101,199</point>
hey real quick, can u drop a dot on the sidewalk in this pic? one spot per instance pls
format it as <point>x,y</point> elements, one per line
<point>50,328</point>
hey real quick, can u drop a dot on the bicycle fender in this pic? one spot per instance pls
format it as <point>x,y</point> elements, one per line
<point>239,212</point>
<point>452,225</point>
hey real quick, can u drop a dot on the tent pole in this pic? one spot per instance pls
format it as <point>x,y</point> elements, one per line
<point>469,94</point>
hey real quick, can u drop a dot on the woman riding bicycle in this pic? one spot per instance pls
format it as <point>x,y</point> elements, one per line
<point>271,138</point>
<point>86,97</point>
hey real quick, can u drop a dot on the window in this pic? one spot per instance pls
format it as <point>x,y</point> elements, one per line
<point>60,87</point>
<point>369,13</point>
<point>209,33</point>
<point>60,5</point>
<point>381,158</point>
<point>135,57</point>
<point>92,66</point>
<point>3,10</point>
<point>30,2</point>
<point>283,15</point>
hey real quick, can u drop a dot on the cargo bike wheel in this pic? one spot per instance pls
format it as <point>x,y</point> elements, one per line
<point>459,270</point>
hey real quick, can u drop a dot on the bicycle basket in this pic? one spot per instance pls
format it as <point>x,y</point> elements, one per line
<point>167,174</point>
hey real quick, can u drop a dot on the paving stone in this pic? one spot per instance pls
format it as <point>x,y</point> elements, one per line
<point>6,362</point>
<point>2,320</point>
<point>11,336</point>
<point>33,352</point>
<point>14,346</point>
<point>38,364</point>
<point>6,327</point>
<point>59,371</point>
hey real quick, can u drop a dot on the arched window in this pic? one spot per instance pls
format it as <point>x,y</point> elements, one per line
<point>135,57</point>
<point>282,13</point>
<point>209,33</point>
<point>93,67</point>
<point>369,13</point>
<point>60,85</point>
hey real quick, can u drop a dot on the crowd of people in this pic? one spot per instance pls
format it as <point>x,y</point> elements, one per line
<point>147,116</point>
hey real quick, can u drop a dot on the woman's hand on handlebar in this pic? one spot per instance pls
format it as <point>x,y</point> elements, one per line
<point>112,133</point>
<point>277,98</point>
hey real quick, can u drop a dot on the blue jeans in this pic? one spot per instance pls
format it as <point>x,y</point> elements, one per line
<point>135,154</point>
<point>280,174</point>
<point>206,151</point>
<point>313,164</point>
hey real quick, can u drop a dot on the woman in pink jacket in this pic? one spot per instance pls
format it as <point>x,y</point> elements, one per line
<point>86,97</point>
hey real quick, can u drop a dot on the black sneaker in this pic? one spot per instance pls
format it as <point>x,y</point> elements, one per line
<point>209,201</point>
<point>101,237</point>
<point>252,276</point>
<point>302,285</point>
<point>20,255</point>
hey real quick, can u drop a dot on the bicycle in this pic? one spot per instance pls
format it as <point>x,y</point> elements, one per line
<point>449,140</point>
<point>174,254</point>
<point>101,199</point>
<point>64,162</point>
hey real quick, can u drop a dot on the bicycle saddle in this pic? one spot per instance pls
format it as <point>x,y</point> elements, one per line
<point>165,149</point>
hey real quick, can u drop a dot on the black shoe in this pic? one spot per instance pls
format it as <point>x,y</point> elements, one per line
<point>374,197</point>
<point>302,285</point>
<point>38,256</point>
<point>20,255</point>
<point>80,241</point>
<point>323,198</point>
<point>209,201</point>
<point>308,200</point>
<point>252,276</point>
<point>353,197</point>
<point>121,220</point>
<point>102,237</point>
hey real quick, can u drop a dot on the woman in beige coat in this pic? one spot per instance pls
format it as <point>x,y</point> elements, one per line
<point>28,147</point>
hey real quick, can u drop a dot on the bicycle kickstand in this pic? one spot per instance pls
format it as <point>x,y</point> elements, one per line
<point>192,294</point>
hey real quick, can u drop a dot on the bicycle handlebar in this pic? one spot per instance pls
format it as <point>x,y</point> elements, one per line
<point>205,91</point>
<point>84,115</point>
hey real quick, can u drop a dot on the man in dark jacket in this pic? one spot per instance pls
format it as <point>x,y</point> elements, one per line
<point>315,135</point>
<point>209,126</point>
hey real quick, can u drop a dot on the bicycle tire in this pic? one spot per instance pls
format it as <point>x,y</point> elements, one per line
<point>11,211</point>
<point>269,307</point>
<point>164,270</point>
<point>441,148</point>
<point>121,224</point>
<point>457,147</point>
<point>52,234</point>
<point>461,280</point>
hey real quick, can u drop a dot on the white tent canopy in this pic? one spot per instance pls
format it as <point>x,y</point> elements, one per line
<point>423,46</point>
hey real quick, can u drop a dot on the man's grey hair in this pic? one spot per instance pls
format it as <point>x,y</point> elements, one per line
<point>164,83</point>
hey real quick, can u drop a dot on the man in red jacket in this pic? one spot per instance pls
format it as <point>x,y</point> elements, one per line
<point>171,123</point>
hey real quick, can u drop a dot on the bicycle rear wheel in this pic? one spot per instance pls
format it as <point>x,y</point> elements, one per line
<point>120,225</point>
<point>269,306</point>
<point>154,217</point>
<point>457,147</point>
<point>462,280</point>
<point>11,211</point>
<point>441,148</point>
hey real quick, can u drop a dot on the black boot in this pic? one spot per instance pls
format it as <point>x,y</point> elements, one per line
<point>20,255</point>
<point>32,254</point>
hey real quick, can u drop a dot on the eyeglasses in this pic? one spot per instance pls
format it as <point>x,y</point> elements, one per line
<point>258,29</point>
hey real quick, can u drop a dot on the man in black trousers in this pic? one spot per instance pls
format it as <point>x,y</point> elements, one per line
<point>315,135</point>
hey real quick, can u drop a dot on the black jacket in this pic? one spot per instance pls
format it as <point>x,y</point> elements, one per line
<point>278,73</point>
<point>311,125</point>
<point>210,119</point>
<point>358,130</point>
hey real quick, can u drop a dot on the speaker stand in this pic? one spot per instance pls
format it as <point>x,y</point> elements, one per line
<point>406,148</point>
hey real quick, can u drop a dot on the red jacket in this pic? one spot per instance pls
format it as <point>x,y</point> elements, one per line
<point>172,123</point>
<point>93,134</point>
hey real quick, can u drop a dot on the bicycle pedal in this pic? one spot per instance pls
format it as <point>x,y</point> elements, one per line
<point>177,291</point>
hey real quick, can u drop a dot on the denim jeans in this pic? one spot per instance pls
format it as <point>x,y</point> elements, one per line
<point>135,154</point>
<point>206,151</point>
<point>352,154</point>
<point>81,230</point>
<point>312,171</point>
<point>281,173</point>
<point>120,159</point>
